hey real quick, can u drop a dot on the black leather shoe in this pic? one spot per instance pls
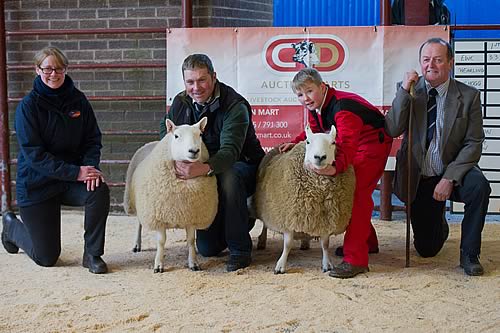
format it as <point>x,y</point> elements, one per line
<point>339,251</point>
<point>10,247</point>
<point>346,271</point>
<point>471,265</point>
<point>95,264</point>
<point>237,262</point>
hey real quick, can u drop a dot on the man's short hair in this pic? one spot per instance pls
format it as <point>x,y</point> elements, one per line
<point>436,40</point>
<point>304,76</point>
<point>198,60</point>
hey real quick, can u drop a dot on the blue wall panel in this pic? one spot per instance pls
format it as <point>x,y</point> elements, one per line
<point>302,13</point>
<point>475,12</point>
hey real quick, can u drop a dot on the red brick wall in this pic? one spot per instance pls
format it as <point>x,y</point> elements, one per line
<point>119,48</point>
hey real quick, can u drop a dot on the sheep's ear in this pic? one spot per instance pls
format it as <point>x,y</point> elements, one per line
<point>170,125</point>
<point>202,123</point>
<point>308,131</point>
<point>333,133</point>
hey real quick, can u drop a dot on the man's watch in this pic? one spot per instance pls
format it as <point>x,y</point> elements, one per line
<point>210,172</point>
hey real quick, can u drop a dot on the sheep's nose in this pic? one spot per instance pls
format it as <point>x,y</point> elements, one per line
<point>194,151</point>
<point>320,158</point>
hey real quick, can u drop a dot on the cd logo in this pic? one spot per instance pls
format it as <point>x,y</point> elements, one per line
<point>290,53</point>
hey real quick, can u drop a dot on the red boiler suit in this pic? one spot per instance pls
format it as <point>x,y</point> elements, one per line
<point>361,141</point>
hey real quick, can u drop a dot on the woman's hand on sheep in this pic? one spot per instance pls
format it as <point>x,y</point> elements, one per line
<point>90,176</point>
<point>284,147</point>
<point>188,170</point>
<point>330,170</point>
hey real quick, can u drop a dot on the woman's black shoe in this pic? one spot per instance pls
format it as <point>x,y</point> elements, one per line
<point>10,247</point>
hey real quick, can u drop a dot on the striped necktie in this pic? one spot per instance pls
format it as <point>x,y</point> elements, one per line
<point>431,116</point>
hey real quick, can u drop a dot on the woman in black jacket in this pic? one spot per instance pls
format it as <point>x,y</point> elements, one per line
<point>58,164</point>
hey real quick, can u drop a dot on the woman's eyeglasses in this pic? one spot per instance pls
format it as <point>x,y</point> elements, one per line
<point>48,70</point>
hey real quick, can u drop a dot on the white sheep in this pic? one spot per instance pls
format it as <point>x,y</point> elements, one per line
<point>160,199</point>
<point>293,199</point>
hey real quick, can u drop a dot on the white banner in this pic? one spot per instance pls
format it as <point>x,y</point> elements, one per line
<point>261,62</point>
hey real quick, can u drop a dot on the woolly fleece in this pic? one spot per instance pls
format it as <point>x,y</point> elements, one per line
<point>291,198</point>
<point>159,198</point>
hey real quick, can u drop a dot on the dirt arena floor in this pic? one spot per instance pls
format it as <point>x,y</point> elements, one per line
<point>433,295</point>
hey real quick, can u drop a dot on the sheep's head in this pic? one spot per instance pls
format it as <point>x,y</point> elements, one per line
<point>186,140</point>
<point>320,148</point>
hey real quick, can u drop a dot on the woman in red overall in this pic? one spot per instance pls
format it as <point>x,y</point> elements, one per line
<point>361,141</point>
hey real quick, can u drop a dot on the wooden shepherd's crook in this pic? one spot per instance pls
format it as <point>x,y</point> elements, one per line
<point>408,195</point>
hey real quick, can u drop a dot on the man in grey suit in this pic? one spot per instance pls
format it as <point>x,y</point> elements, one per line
<point>447,137</point>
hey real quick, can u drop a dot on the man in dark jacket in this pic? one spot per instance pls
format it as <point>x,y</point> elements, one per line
<point>235,153</point>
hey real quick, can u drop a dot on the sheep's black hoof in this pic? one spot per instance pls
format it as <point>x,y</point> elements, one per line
<point>136,249</point>
<point>158,270</point>
<point>278,272</point>
<point>195,268</point>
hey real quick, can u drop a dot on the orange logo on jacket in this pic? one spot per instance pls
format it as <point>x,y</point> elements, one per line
<point>74,114</point>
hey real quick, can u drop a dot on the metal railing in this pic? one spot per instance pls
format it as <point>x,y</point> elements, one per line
<point>385,188</point>
<point>7,184</point>
<point>5,161</point>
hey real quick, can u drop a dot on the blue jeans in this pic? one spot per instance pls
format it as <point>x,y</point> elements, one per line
<point>231,226</point>
<point>39,233</point>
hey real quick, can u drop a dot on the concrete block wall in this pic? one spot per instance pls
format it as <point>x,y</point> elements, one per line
<point>114,48</point>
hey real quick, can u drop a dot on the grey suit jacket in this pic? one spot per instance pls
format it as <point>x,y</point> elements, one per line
<point>461,142</point>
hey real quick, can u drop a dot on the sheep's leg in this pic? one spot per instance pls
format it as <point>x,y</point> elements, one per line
<point>138,238</point>
<point>161,238</point>
<point>326,262</point>
<point>287,245</point>
<point>261,244</point>
<point>192,261</point>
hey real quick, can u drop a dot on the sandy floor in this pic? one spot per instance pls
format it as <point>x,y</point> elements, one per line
<point>433,295</point>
